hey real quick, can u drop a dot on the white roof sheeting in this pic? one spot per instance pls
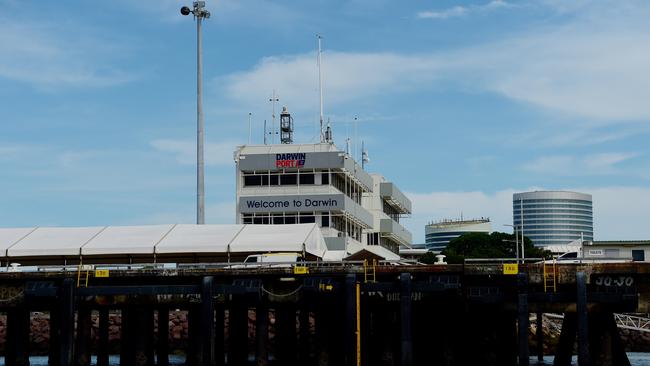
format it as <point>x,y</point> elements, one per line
<point>126,240</point>
<point>9,237</point>
<point>281,238</point>
<point>54,241</point>
<point>198,239</point>
<point>354,248</point>
<point>161,239</point>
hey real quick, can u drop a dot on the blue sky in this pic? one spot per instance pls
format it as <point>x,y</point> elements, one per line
<point>461,103</point>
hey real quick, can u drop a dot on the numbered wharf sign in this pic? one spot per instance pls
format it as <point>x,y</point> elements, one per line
<point>101,273</point>
<point>510,268</point>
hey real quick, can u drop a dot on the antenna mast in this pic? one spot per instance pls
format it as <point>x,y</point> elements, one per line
<point>320,88</point>
<point>365,159</point>
<point>274,98</point>
<point>250,129</point>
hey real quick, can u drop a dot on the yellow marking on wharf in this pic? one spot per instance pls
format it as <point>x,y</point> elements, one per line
<point>510,268</point>
<point>102,273</point>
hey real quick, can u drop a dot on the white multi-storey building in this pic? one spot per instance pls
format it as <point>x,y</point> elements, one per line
<point>318,183</point>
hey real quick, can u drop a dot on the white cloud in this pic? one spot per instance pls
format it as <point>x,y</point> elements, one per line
<point>42,55</point>
<point>619,212</point>
<point>459,11</point>
<point>11,151</point>
<point>594,164</point>
<point>185,151</point>
<point>591,67</point>
<point>456,11</point>
<point>349,76</point>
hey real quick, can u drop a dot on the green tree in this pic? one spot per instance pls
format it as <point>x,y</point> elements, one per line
<point>427,258</point>
<point>494,245</point>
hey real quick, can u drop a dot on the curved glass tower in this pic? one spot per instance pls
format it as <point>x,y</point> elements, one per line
<point>553,217</point>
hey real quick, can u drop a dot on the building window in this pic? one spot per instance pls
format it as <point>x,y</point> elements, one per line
<point>307,178</point>
<point>273,180</point>
<point>325,220</point>
<point>638,255</point>
<point>307,218</point>
<point>325,179</point>
<point>288,179</point>
<point>278,219</point>
<point>252,180</point>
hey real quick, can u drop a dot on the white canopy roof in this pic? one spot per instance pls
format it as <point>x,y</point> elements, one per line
<point>160,239</point>
<point>54,241</point>
<point>354,248</point>
<point>198,239</point>
<point>9,237</point>
<point>282,238</point>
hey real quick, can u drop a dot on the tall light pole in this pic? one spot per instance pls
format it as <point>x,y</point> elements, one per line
<point>516,239</point>
<point>199,12</point>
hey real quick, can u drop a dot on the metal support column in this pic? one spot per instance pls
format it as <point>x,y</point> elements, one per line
<point>66,321</point>
<point>522,282</point>
<point>162,347</point>
<point>55,345</point>
<point>194,336</point>
<point>102,345</point>
<point>83,341</point>
<point>539,332</point>
<point>605,341</point>
<point>564,349</point>
<point>285,333</point>
<point>17,337</point>
<point>350,320</point>
<point>127,338</point>
<point>262,333</point>
<point>219,340</point>
<point>207,353</point>
<point>406,349</point>
<point>583,319</point>
<point>304,339</point>
<point>238,333</point>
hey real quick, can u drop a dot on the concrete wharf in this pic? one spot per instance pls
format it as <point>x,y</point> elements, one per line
<point>346,313</point>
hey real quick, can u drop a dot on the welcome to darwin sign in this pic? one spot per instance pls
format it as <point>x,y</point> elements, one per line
<point>321,202</point>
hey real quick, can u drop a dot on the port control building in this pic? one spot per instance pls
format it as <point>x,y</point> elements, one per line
<point>318,183</point>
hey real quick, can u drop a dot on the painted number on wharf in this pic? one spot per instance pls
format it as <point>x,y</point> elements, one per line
<point>510,268</point>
